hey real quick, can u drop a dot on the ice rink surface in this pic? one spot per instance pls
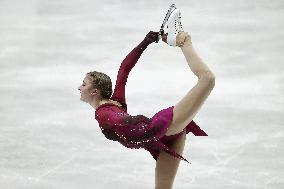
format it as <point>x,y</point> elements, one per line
<point>49,139</point>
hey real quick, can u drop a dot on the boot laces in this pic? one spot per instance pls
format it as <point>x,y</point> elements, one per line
<point>178,25</point>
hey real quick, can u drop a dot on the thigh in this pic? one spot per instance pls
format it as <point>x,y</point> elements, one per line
<point>185,110</point>
<point>167,165</point>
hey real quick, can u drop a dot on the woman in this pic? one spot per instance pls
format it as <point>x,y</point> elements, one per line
<point>164,134</point>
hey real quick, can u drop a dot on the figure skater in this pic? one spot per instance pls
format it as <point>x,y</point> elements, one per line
<point>164,134</point>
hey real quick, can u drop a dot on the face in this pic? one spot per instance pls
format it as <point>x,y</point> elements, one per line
<point>86,89</point>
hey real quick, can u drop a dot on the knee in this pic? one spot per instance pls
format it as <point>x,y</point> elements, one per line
<point>208,74</point>
<point>208,77</point>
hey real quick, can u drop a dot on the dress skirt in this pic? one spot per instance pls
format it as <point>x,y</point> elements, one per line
<point>164,117</point>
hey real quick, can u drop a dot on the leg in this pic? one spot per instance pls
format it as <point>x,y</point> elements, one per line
<point>167,166</point>
<point>186,109</point>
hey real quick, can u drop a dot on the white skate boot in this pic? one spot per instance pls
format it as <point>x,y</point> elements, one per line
<point>173,26</point>
<point>169,12</point>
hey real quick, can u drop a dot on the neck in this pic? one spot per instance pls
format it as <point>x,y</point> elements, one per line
<point>96,103</point>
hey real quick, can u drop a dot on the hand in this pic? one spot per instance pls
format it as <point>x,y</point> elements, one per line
<point>151,37</point>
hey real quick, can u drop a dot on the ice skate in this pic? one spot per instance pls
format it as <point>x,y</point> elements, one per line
<point>169,12</point>
<point>172,27</point>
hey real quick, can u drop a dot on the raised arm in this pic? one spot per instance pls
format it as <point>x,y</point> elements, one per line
<point>127,64</point>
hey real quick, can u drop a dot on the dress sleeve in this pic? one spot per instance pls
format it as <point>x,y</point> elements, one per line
<point>127,64</point>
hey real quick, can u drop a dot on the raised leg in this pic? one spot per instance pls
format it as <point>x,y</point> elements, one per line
<point>188,106</point>
<point>167,165</point>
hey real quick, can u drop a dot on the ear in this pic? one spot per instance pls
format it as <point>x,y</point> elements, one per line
<point>95,91</point>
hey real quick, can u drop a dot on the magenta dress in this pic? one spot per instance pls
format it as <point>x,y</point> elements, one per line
<point>138,131</point>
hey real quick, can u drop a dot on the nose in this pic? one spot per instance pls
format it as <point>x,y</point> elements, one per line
<point>79,88</point>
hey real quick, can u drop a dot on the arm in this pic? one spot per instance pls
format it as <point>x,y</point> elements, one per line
<point>127,64</point>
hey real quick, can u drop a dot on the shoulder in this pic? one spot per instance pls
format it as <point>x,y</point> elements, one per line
<point>102,113</point>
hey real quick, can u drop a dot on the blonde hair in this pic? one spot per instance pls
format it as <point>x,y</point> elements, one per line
<point>102,82</point>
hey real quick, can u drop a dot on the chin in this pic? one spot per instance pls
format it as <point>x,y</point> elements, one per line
<point>83,100</point>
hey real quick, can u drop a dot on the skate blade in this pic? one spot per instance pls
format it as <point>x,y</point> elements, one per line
<point>169,12</point>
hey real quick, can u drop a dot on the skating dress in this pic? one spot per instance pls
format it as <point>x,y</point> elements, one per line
<point>138,131</point>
